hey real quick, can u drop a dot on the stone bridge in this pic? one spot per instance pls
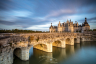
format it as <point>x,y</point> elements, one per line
<point>20,44</point>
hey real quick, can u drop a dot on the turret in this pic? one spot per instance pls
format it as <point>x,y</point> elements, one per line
<point>59,25</point>
<point>85,19</point>
<point>51,26</point>
<point>85,23</point>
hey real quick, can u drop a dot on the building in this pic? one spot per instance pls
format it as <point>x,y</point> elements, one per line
<point>69,26</point>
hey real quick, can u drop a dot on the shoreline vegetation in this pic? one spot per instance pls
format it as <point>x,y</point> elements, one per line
<point>31,31</point>
<point>21,31</point>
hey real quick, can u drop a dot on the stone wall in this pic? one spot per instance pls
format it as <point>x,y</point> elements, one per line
<point>6,55</point>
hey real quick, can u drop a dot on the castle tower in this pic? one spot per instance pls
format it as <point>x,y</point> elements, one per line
<point>67,21</point>
<point>51,24</point>
<point>59,27</point>
<point>85,25</point>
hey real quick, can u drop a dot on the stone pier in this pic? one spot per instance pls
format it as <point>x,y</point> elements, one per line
<point>22,53</point>
<point>78,40</point>
<point>49,49</point>
<point>25,54</point>
<point>72,41</point>
<point>63,45</point>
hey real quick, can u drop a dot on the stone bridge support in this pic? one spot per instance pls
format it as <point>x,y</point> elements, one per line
<point>49,47</point>
<point>22,53</point>
<point>83,39</point>
<point>72,41</point>
<point>78,40</point>
<point>25,54</point>
<point>63,44</point>
<point>69,40</point>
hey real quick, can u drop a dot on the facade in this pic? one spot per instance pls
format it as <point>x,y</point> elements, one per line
<point>69,26</point>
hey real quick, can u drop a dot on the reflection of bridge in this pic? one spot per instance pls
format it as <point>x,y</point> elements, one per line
<point>20,44</point>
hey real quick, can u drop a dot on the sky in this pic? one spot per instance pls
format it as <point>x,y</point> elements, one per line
<point>39,14</point>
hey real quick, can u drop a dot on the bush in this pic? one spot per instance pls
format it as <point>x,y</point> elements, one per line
<point>94,29</point>
<point>90,30</point>
<point>19,31</point>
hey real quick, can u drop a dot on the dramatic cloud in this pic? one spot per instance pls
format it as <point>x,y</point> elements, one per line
<point>39,14</point>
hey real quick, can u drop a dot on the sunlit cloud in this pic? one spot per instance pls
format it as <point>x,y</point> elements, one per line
<point>41,27</point>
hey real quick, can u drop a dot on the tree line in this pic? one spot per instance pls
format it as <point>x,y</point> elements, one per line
<point>86,30</point>
<point>20,31</point>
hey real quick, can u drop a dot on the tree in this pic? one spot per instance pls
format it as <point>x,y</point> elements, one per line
<point>94,29</point>
<point>90,30</point>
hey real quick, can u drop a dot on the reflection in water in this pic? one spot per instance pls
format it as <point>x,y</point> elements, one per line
<point>83,53</point>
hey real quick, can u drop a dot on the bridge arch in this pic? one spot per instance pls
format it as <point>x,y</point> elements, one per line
<point>81,39</point>
<point>17,52</point>
<point>75,40</point>
<point>41,46</point>
<point>67,41</point>
<point>57,43</point>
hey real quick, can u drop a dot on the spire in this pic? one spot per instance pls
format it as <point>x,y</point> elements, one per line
<point>85,23</point>
<point>51,24</point>
<point>85,19</point>
<point>59,22</point>
<point>70,20</point>
<point>75,21</point>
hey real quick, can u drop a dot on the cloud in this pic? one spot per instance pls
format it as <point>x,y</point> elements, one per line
<point>60,12</point>
<point>6,5</point>
<point>13,13</point>
<point>21,13</point>
<point>89,20</point>
<point>36,14</point>
<point>24,22</point>
<point>94,18</point>
<point>40,27</point>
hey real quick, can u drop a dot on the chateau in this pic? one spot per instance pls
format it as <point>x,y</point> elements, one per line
<point>69,26</point>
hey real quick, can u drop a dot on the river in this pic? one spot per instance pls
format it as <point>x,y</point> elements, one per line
<point>83,53</point>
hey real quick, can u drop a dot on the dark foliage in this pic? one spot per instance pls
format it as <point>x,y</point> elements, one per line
<point>19,31</point>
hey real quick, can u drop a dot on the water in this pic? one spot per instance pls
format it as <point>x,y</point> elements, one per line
<point>83,53</point>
